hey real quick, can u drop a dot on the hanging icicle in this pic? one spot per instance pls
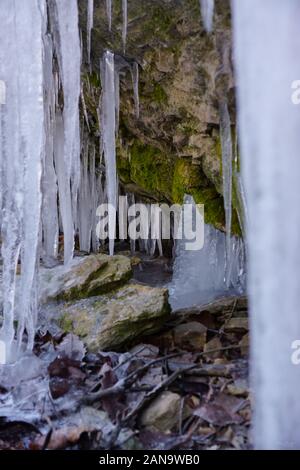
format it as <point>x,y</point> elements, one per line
<point>89,27</point>
<point>226,144</point>
<point>108,132</point>
<point>49,179</point>
<point>109,13</point>
<point>125,23</point>
<point>207,12</point>
<point>135,82</point>
<point>66,32</point>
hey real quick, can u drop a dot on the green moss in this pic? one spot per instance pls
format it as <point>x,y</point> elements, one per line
<point>149,168</point>
<point>66,323</point>
<point>159,95</point>
<point>190,179</point>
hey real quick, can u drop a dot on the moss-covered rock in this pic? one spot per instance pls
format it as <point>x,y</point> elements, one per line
<point>110,321</point>
<point>85,277</point>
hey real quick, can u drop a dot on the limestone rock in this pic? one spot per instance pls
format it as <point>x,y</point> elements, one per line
<point>85,277</point>
<point>109,321</point>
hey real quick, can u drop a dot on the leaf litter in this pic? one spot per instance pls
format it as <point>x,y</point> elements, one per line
<point>155,395</point>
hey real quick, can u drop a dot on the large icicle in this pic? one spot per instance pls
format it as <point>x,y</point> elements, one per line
<point>226,144</point>
<point>125,23</point>
<point>108,131</point>
<point>267,45</point>
<point>69,63</point>
<point>89,27</point>
<point>22,28</point>
<point>207,12</point>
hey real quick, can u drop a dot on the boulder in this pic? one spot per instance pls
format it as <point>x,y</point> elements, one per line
<point>85,277</point>
<point>109,321</point>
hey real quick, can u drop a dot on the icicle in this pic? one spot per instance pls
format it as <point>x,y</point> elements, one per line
<point>108,131</point>
<point>131,201</point>
<point>84,108</point>
<point>267,44</point>
<point>22,28</point>
<point>89,27</point>
<point>69,64</point>
<point>85,202</point>
<point>117,98</point>
<point>64,190</point>
<point>109,13</point>
<point>135,82</point>
<point>207,12</point>
<point>49,180</point>
<point>125,23</point>
<point>226,144</point>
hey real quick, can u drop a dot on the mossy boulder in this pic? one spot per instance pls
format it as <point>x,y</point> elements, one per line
<point>110,321</point>
<point>85,277</point>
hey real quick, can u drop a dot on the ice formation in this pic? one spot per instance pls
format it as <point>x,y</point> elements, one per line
<point>267,44</point>
<point>89,27</point>
<point>22,152</point>
<point>226,145</point>
<point>198,276</point>
<point>108,131</point>
<point>125,23</point>
<point>109,13</point>
<point>207,12</point>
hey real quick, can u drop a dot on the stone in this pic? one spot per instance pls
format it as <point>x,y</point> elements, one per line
<point>244,344</point>
<point>84,277</point>
<point>110,321</point>
<point>163,413</point>
<point>236,324</point>
<point>213,345</point>
<point>190,336</point>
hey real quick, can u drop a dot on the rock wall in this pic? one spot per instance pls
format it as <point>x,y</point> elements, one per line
<point>174,146</point>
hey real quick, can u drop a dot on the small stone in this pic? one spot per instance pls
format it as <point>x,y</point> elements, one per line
<point>163,413</point>
<point>236,324</point>
<point>190,336</point>
<point>244,345</point>
<point>212,345</point>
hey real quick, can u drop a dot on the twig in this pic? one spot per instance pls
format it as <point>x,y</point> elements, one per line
<point>119,386</point>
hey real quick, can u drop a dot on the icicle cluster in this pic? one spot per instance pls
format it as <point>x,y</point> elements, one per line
<point>40,149</point>
<point>22,151</point>
<point>109,8</point>
<point>110,69</point>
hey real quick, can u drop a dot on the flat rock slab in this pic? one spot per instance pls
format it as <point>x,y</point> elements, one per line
<point>85,277</point>
<point>110,321</point>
